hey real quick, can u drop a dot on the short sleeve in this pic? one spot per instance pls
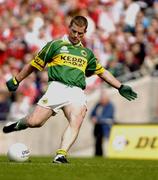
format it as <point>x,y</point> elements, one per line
<point>94,67</point>
<point>42,57</point>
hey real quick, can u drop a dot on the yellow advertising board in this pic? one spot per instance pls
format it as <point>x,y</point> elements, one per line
<point>133,141</point>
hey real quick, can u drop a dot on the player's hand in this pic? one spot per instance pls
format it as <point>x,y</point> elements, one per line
<point>12,84</point>
<point>127,92</point>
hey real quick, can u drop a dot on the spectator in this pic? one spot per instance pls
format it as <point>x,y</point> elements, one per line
<point>91,24</point>
<point>131,11</point>
<point>106,19</point>
<point>116,68</point>
<point>151,61</point>
<point>131,65</point>
<point>3,54</point>
<point>58,27</point>
<point>102,116</point>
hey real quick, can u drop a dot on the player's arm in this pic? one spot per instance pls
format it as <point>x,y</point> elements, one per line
<point>110,79</point>
<point>94,67</point>
<point>125,90</point>
<point>26,71</point>
<point>37,63</point>
<point>14,82</point>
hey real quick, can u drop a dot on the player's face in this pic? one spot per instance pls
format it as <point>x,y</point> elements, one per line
<point>76,33</point>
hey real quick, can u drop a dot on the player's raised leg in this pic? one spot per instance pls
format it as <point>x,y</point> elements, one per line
<point>36,119</point>
<point>75,115</point>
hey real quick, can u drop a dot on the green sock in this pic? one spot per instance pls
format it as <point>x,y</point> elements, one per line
<point>21,124</point>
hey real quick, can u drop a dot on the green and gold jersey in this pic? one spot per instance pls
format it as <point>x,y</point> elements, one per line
<point>67,63</point>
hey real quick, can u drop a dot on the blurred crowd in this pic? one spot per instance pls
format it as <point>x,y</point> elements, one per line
<point>123,34</point>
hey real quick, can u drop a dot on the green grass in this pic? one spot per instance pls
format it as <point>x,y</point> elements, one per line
<point>79,169</point>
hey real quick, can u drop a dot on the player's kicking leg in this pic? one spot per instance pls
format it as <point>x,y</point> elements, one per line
<point>36,119</point>
<point>75,115</point>
<point>12,126</point>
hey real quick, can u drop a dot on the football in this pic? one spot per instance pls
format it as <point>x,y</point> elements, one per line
<point>18,152</point>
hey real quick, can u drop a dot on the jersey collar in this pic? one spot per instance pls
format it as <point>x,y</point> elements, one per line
<point>65,38</point>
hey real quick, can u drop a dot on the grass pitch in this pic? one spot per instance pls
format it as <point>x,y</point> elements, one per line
<point>79,169</point>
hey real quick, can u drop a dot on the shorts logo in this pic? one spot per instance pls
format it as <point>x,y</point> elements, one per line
<point>64,49</point>
<point>45,101</point>
<point>84,53</point>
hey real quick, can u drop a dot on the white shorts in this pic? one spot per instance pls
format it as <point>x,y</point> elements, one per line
<point>59,95</point>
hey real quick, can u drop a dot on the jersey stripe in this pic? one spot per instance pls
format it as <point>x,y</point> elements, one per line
<point>69,60</point>
<point>99,69</point>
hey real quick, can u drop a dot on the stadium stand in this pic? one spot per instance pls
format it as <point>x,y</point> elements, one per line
<point>126,45</point>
